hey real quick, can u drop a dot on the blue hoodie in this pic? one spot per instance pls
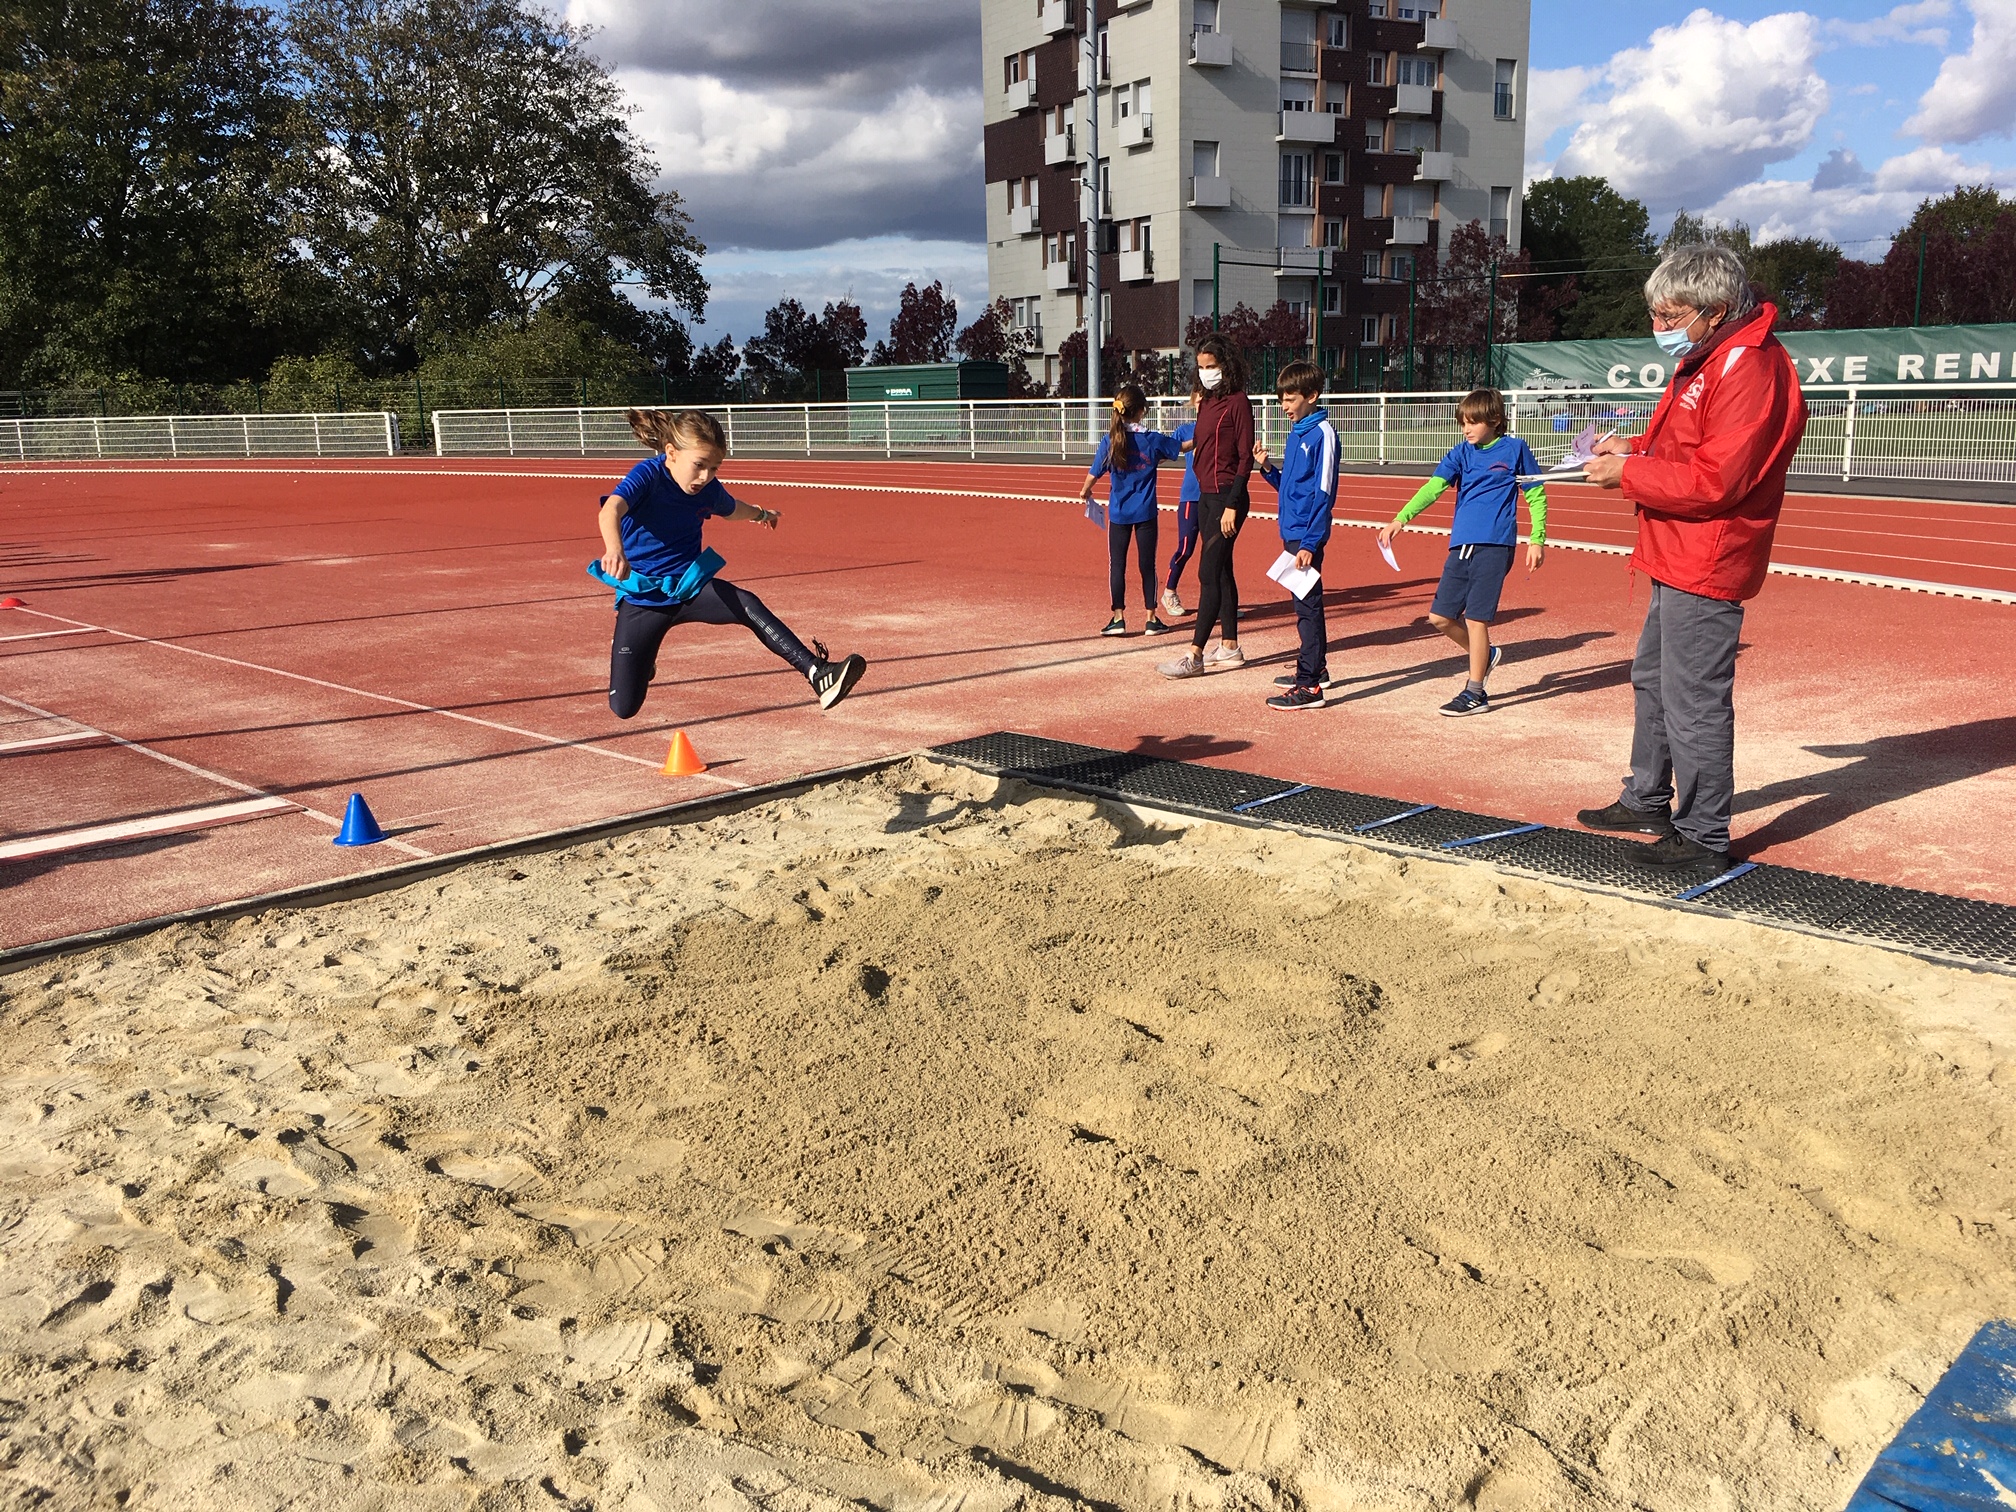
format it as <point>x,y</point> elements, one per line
<point>1132,497</point>
<point>1306,479</point>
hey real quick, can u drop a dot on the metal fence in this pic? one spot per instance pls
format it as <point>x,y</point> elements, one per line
<point>1963,433</point>
<point>141,437</point>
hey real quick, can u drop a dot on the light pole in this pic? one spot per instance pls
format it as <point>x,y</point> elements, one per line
<point>1095,335</point>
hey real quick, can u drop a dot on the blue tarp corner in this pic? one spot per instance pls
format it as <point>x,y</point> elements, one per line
<point>1958,1451</point>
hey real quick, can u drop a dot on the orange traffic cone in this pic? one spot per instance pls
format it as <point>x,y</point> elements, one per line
<point>682,760</point>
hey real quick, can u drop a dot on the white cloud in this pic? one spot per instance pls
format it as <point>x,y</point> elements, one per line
<point>1554,99</point>
<point>871,272</point>
<point>1849,204</point>
<point>1971,98</point>
<point>1703,107</point>
<point>1904,23</point>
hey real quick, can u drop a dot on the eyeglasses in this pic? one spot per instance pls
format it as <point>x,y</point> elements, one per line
<point>1666,321</point>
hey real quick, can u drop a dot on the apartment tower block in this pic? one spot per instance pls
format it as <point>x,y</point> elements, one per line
<point>1319,147</point>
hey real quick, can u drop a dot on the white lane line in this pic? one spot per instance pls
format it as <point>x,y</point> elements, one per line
<point>74,737</point>
<point>133,829</point>
<point>41,635</point>
<point>385,698</point>
<point>196,771</point>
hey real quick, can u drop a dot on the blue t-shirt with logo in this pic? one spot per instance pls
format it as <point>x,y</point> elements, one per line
<point>1487,489</point>
<point>661,533</point>
<point>1132,500</point>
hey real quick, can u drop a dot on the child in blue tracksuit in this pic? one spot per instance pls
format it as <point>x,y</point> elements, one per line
<point>1306,480</point>
<point>1186,513</point>
<point>1486,469</point>
<point>1130,454</point>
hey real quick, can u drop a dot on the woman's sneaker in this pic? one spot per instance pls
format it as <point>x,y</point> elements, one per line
<point>1115,626</point>
<point>1223,656</point>
<point>1191,665</point>
<point>834,680</point>
<point>1468,702</point>
<point>1297,698</point>
<point>1155,627</point>
<point>1172,605</point>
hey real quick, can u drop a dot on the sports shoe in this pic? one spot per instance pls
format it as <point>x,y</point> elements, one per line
<point>1223,656</point>
<point>1675,849</point>
<point>1156,627</point>
<point>1290,680</point>
<point>1621,816</point>
<point>1297,698</point>
<point>834,680</point>
<point>1115,626</point>
<point>1467,702</point>
<point>1497,655</point>
<point>1172,605</point>
<point>1191,665</point>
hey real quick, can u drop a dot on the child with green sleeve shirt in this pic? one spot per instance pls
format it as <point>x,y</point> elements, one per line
<point>1486,469</point>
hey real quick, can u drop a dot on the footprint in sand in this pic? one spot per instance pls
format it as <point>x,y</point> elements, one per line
<point>807,1238</point>
<point>1555,988</point>
<point>1459,1057</point>
<point>276,1178</point>
<point>587,1227</point>
<point>497,1173</point>
<point>1003,1425</point>
<point>619,1346</point>
<point>1717,1267</point>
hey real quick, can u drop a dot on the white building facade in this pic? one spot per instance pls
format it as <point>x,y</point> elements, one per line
<point>1301,152</point>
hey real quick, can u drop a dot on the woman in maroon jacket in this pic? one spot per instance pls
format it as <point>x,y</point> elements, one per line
<point>1223,450</point>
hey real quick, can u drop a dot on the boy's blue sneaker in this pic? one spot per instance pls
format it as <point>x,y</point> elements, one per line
<point>1297,698</point>
<point>1497,655</point>
<point>1467,702</point>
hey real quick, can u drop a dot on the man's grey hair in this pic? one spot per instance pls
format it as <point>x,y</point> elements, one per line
<point>1701,276</point>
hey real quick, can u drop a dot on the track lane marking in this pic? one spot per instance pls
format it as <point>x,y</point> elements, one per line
<point>180,822</point>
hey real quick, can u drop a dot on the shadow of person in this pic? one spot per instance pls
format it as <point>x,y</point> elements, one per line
<point>1879,771</point>
<point>1188,747</point>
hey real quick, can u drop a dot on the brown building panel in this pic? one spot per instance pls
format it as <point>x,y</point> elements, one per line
<point>1374,35</point>
<point>1057,71</point>
<point>1333,200</point>
<point>1340,67</point>
<point>1144,314</point>
<point>1383,167</point>
<point>1013,148</point>
<point>1370,100</point>
<point>1057,200</point>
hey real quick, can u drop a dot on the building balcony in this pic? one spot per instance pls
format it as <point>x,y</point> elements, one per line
<point>1438,34</point>
<point>1210,193</point>
<point>1055,16</point>
<point>1410,231</point>
<point>1435,167</point>
<point>1299,262</point>
<point>1413,100</point>
<point>1137,267</point>
<point>1210,49</point>
<point>1298,57</point>
<point>1306,126</point>
<point>1022,95</point>
<point>1060,147</point>
<point>1061,275</point>
<point>1137,130</point>
<point>1023,220</point>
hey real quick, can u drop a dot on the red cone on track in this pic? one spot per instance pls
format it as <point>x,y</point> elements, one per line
<point>682,760</point>
<point>359,827</point>
<point>11,602</point>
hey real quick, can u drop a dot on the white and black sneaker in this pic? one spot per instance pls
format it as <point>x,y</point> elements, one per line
<point>834,680</point>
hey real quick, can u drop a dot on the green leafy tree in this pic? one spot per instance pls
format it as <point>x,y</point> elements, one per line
<point>463,162</point>
<point>1591,248</point>
<point>139,231</point>
<point>1797,274</point>
<point>1967,242</point>
<point>921,330</point>
<point>995,337</point>
<point>801,354</point>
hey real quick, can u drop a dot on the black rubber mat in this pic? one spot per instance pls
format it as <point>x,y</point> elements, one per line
<point>1968,929</point>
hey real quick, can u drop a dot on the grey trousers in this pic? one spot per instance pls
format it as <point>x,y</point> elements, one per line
<point>1683,746</point>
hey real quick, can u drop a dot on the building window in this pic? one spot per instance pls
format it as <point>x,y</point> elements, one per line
<point>1418,71</point>
<point>1333,233</point>
<point>1368,325</point>
<point>1368,266</point>
<point>1333,299</point>
<point>1414,136</point>
<point>1416,200</point>
<point>1375,201</point>
<point>1502,86</point>
<point>1416,10</point>
<point>1333,167</point>
<point>1296,187</point>
<point>1375,69</point>
<point>1204,15</point>
<point>1375,136</point>
<point>1401,266</point>
<point>1204,159</point>
<point>1339,33</point>
<point>1200,296</point>
<point>1501,214</point>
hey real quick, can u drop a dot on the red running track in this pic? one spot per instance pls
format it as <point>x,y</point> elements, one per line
<point>424,633</point>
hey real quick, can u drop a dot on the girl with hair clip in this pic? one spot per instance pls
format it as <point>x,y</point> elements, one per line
<point>663,576</point>
<point>1222,452</point>
<point>1130,453</point>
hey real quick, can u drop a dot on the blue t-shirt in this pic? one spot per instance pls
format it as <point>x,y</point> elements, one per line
<point>1132,501</point>
<point>1190,489</point>
<point>1487,490</point>
<point>661,533</point>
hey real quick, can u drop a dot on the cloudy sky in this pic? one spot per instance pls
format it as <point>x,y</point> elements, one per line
<point>829,147</point>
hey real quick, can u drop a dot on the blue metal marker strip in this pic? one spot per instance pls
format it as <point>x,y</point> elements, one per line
<point>1504,834</point>
<point>1396,818</point>
<point>1300,787</point>
<point>1714,882</point>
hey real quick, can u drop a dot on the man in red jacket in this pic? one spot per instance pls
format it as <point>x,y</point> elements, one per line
<point>1708,480</point>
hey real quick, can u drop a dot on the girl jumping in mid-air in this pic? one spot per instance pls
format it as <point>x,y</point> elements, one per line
<point>663,576</point>
<point>1186,513</point>
<point>1131,453</point>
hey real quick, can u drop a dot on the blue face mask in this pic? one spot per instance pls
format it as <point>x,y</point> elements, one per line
<point>1676,342</point>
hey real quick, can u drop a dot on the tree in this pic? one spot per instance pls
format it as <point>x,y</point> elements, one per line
<point>1071,365</point>
<point>1797,274</point>
<point>1280,329</point>
<point>1466,287</point>
<point>1590,249</point>
<point>1968,242</point>
<point>463,162</point>
<point>1694,230</point>
<point>922,328</point>
<point>141,234</point>
<point>801,353</point>
<point>995,337</point>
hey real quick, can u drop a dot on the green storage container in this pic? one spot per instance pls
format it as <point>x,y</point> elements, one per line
<point>923,400</point>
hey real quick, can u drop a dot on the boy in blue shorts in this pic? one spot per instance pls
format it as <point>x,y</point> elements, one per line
<point>1486,469</point>
<point>1306,480</point>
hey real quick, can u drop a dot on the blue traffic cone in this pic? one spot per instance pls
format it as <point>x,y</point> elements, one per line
<point>359,828</point>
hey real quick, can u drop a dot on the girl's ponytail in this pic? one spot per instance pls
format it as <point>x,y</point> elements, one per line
<point>1129,404</point>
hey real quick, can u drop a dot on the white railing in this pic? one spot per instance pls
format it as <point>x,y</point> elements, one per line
<point>355,433</point>
<point>1965,434</point>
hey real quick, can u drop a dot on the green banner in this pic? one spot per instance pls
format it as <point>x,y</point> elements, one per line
<point>1930,355</point>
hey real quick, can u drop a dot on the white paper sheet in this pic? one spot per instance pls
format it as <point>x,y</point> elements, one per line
<point>1096,513</point>
<point>1386,551</point>
<point>1297,580</point>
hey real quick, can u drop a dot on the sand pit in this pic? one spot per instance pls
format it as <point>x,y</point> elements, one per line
<point>929,1143</point>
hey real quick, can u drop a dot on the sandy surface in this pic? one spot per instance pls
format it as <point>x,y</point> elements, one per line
<point>916,1146</point>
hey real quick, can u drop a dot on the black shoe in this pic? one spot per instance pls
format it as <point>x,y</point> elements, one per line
<point>1674,849</point>
<point>1296,698</point>
<point>1621,816</point>
<point>1290,680</point>
<point>1115,626</point>
<point>833,681</point>
<point>1155,627</point>
<point>1467,702</point>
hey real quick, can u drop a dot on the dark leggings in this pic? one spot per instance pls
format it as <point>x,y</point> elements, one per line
<point>633,656</point>
<point>1217,589</point>
<point>1116,560</point>
<point>1186,540</point>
